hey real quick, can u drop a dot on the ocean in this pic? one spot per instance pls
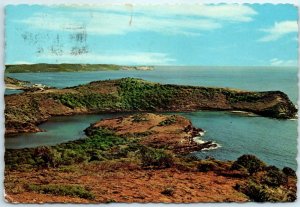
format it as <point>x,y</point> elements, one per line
<point>274,141</point>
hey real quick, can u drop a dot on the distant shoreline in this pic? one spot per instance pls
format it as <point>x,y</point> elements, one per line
<point>43,67</point>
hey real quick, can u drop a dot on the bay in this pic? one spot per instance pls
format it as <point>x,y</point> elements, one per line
<point>272,140</point>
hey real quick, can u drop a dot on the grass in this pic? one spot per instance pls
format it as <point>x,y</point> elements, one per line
<point>61,190</point>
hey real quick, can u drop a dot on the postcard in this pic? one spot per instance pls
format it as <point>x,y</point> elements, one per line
<point>140,103</point>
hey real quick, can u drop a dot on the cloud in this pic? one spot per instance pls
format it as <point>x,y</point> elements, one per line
<point>137,58</point>
<point>224,12</point>
<point>22,63</point>
<point>278,62</point>
<point>279,30</point>
<point>118,20</point>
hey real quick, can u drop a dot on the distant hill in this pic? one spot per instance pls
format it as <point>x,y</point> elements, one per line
<point>43,67</point>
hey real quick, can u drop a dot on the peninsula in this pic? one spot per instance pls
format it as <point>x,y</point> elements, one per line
<point>25,111</point>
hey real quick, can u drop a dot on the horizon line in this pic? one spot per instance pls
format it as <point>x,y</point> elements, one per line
<point>7,64</point>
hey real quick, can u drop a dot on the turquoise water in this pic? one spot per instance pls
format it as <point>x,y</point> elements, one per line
<point>12,91</point>
<point>274,141</point>
<point>57,130</point>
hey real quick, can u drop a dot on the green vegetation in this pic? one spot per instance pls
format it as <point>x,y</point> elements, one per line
<point>289,171</point>
<point>207,165</point>
<point>25,111</point>
<point>139,118</point>
<point>250,162</point>
<point>138,94</point>
<point>67,67</point>
<point>133,94</point>
<point>155,158</point>
<point>13,81</point>
<point>255,192</point>
<point>263,193</point>
<point>100,145</point>
<point>37,68</point>
<point>94,147</point>
<point>235,97</point>
<point>61,190</point>
<point>274,177</point>
<point>92,101</point>
<point>169,121</point>
<point>265,183</point>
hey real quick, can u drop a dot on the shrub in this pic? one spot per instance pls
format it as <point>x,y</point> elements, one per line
<point>46,157</point>
<point>169,191</point>
<point>70,156</point>
<point>250,162</point>
<point>191,158</point>
<point>139,118</point>
<point>205,166</point>
<point>155,158</point>
<point>274,177</point>
<point>255,192</point>
<point>289,171</point>
<point>62,190</point>
<point>169,121</point>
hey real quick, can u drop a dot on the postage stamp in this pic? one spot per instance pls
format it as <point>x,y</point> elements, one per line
<point>169,103</point>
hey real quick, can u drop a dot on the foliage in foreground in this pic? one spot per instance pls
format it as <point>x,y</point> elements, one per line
<point>266,183</point>
<point>250,162</point>
<point>101,144</point>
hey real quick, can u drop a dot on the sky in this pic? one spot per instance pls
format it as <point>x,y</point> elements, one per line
<point>183,35</point>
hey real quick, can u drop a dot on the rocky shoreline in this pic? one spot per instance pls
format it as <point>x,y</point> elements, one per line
<point>172,132</point>
<point>26,110</point>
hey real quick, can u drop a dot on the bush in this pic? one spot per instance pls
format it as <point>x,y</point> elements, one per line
<point>250,162</point>
<point>155,158</point>
<point>169,121</point>
<point>264,193</point>
<point>45,157</point>
<point>70,156</point>
<point>205,166</point>
<point>139,118</point>
<point>274,177</point>
<point>61,190</point>
<point>92,148</point>
<point>289,172</point>
<point>168,191</point>
<point>255,192</point>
